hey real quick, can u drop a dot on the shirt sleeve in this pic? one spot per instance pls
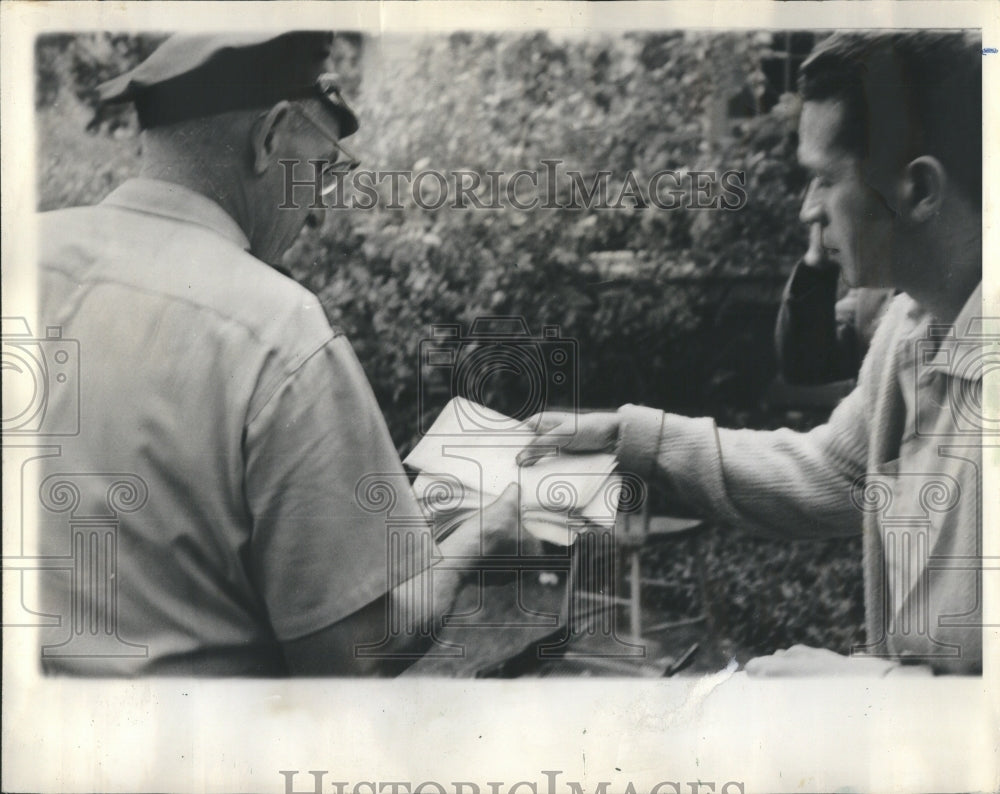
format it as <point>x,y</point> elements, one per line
<point>317,552</point>
<point>815,337</point>
<point>779,483</point>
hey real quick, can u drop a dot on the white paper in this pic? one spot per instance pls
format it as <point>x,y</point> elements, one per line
<point>461,467</point>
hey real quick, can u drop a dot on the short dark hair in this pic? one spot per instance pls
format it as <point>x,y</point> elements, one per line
<point>924,87</point>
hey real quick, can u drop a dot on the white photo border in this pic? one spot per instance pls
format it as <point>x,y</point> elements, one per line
<point>224,736</point>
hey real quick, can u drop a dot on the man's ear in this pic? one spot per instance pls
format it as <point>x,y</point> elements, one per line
<point>267,134</point>
<point>924,183</point>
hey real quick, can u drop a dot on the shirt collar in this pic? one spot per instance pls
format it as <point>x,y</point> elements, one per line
<point>170,200</point>
<point>959,352</point>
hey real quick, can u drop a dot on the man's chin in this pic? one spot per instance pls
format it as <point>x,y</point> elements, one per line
<point>867,281</point>
<point>859,278</point>
<point>849,279</point>
<point>848,275</point>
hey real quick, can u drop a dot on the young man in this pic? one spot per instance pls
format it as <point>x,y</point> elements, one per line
<point>238,425</point>
<point>891,131</point>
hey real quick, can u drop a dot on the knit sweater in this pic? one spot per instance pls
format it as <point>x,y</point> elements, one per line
<point>899,460</point>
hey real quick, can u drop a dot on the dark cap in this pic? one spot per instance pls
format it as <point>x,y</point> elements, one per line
<point>190,76</point>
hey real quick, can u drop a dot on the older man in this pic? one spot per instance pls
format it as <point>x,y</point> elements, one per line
<point>891,131</point>
<point>217,383</point>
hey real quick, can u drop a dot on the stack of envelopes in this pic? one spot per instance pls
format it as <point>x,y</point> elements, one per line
<point>468,458</point>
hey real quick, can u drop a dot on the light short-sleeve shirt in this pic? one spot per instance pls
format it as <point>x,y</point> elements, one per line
<point>216,389</point>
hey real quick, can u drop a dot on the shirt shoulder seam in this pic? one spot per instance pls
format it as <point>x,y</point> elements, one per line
<point>291,374</point>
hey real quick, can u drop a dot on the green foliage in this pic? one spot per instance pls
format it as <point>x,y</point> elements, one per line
<point>673,308</point>
<point>85,151</point>
<point>761,594</point>
<point>79,64</point>
<point>677,325</point>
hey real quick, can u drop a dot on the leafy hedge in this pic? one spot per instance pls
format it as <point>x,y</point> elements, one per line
<point>677,327</point>
<point>672,308</point>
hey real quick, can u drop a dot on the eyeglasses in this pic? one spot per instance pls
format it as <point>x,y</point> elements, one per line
<point>345,163</point>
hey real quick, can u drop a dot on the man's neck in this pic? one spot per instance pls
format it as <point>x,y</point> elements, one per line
<point>951,263</point>
<point>203,183</point>
<point>945,299</point>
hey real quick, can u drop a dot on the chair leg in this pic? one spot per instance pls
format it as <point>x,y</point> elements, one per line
<point>635,605</point>
<point>702,574</point>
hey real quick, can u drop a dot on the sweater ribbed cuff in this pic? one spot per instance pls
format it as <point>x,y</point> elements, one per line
<point>639,431</point>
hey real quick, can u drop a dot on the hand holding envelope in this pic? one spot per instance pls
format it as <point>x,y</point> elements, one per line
<point>465,465</point>
<point>567,432</point>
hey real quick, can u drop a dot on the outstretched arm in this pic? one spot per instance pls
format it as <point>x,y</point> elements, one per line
<point>778,482</point>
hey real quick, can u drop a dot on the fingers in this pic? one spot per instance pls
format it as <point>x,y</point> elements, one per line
<point>528,456</point>
<point>502,512</point>
<point>543,424</point>
<point>814,256</point>
<point>498,529</point>
<point>803,660</point>
<point>547,422</point>
<point>508,499</point>
<point>764,667</point>
<point>540,447</point>
<point>786,662</point>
